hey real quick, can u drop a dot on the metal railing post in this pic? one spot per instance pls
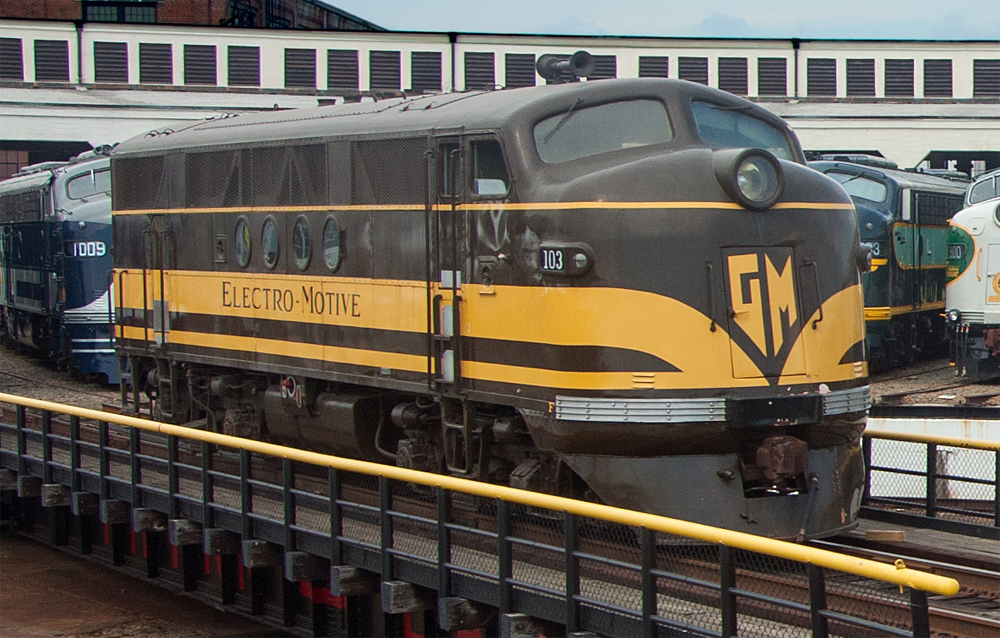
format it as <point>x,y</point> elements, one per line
<point>443,544</point>
<point>207,514</point>
<point>727,583</point>
<point>866,449</point>
<point>22,441</point>
<point>385,537</point>
<point>572,572</point>
<point>931,480</point>
<point>505,558</point>
<point>919,614</point>
<point>336,551</point>
<point>134,466</point>
<point>74,453</point>
<point>996,491</point>
<point>46,446</point>
<point>647,541</point>
<point>102,458</point>
<point>173,485</point>
<point>817,601</point>
<point>288,503</point>
<point>246,495</point>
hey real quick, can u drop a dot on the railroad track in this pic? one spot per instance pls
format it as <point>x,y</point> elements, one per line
<point>974,612</point>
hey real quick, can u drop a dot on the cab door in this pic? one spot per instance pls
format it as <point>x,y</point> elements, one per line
<point>446,261</point>
<point>160,249</point>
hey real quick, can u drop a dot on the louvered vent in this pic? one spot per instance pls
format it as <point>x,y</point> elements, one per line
<point>215,179</point>
<point>861,78</point>
<point>693,69</point>
<point>11,62</point>
<point>388,171</point>
<point>479,72</point>
<point>156,64</point>
<point>288,175</point>
<point>936,208</point>
<point>300,68</point>
<point>199,64</point>
<point>899,78</point>
<point>772,76</point>
<point>654,66</point>
<point>244,66</point>
<point>937,78</point>
<point>733,75</point>
<point>140,183</point>
<point>985,78</point>
<point>51,61</point>
<point>821,77</point>
<point>342,69</point>
<point>384,70</point>
<point>520,70</point>
<point>425,71</point>
<point>605,67</point>
<point>111,62</point>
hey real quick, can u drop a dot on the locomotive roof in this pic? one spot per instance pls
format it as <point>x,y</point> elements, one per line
<point>438,113</point>
<point>902,178</point>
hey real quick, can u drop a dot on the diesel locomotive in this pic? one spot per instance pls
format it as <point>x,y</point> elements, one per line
<point>973,293</point>
<point>631,291</point>
<point>903,217</point>
<point>55,263</point>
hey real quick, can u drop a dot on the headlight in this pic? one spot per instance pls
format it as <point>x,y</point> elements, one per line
<point>953,315</point>
<point>751,176</point>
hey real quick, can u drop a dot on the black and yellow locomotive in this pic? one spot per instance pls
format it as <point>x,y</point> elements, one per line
<point>627,290</point>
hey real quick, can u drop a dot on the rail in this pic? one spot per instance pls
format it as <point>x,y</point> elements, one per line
<point>946,483</point>
<point>582,565</point>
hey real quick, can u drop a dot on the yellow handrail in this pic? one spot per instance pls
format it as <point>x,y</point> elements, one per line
<point>896,574</point>
<point>950,441</point>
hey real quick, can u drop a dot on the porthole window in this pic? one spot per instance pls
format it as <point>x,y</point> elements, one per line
<point>331,244</point>
<point>301,247</point>
<point>269,243</point>
<point>242,242</point>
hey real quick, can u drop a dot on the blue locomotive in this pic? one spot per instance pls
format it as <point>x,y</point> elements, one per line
<point>55,258</point>
<point>903,216</point>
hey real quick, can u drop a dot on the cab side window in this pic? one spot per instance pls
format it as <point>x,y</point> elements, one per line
<point>489,172</point>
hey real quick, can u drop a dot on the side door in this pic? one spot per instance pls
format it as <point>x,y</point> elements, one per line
<point>160,249</point>
<point>446,261</point>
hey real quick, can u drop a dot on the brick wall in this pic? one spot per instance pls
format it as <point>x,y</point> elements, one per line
<point>293,14</point>
<point>41,9</point>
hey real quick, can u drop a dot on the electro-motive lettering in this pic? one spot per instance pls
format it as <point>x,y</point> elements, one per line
<point>310,300</point>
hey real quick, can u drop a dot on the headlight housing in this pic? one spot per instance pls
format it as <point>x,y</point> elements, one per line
<point>953,316</point>
<point>753,177</point>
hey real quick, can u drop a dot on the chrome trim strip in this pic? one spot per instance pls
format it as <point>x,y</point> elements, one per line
<point>685,410</point>
<point>844,401</point>
<point>640,410</point>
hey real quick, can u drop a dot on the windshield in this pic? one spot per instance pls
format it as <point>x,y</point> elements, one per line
<point>584,131</point>
<point>857,186</point>
<point>981,191</point>
<point>89,184</point>
<point>728,127</point>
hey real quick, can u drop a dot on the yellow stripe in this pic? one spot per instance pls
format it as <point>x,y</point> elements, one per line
<point>604,317</point>
<point>878,314</point>
<point>884,313</point>
<point>491,206</point>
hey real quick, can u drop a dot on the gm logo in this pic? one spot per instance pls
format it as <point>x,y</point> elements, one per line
<point>763,309</point>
